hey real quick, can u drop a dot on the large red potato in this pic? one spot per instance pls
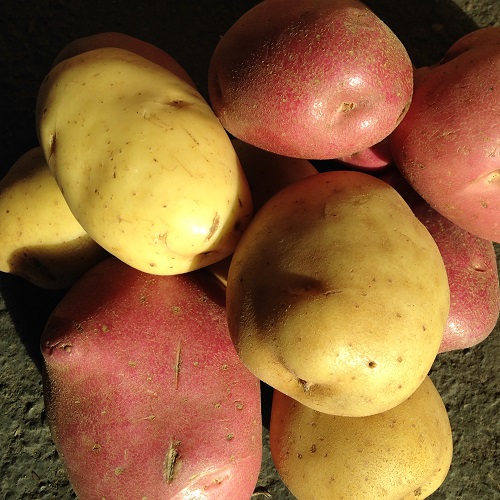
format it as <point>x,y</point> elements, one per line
<point>315,79</point>
<point>448,144</point>
<point>145,395</point>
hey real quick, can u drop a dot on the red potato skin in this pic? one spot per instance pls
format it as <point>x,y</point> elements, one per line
<point>447,145</point>
<point>314,79</point>
<point>472,270</point>
<point>144,392</point>
<point>372,159</point>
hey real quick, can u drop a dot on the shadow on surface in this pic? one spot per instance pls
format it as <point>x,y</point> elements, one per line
<point>29,307</point>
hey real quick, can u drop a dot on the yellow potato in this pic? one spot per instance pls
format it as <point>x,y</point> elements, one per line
<point>401,454</point>
<point>41,240</point>
<point>337,295</point>
<point>142,161</point>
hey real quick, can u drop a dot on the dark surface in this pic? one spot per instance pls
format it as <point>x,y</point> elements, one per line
<point>31,34</point>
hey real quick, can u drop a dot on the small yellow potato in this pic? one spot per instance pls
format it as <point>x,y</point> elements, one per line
<point>143,162</point>
<point>42,241</point>
<point>337,295</point>
<point>401,454</point>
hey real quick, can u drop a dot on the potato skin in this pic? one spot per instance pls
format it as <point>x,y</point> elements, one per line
<point>145,395</point>
<point>471,266</point>
<point>267,173</point>
<point>447,144</point>
<point>142,161</point>
<point>126,42</point>
<point>472,270</point>
<point>337,295</point>
<point>42,242</point>
<point>310,79</point>
<point>401,454</point>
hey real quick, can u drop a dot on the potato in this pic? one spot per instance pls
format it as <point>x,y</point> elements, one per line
<point>123,41</point>
<point>447,145</point>
<point>267,173</point>
<point>337,295</point>
<point>42,242</point>
<point>372,159</point>
<point>402,453</point>
<point>143,163</point>
<point>472,271</point>
<point>315,79</point>
<point>144,393</point>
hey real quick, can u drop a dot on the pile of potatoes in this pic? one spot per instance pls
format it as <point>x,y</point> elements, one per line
<point>206,250</point>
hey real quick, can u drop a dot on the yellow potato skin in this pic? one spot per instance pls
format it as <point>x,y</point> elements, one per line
<point>401,454</point>
<point>337,295</point>
<point>142,161</point>
<point>42,241</point>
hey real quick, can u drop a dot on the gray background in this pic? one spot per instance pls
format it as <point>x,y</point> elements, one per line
<point>31,33</point>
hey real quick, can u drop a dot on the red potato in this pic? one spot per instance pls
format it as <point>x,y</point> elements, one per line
<point>374,158</point>
<point>472,272</point>
<point>310,79</point>
<point>126,42</point>
<point>448,144</point>
<point>144,392</point>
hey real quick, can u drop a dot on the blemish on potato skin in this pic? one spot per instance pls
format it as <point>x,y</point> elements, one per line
<point>306,386</point>
<point>178,362</point>
<point>171,460</point>
<point>65,346</point>
<point>119,470</point>
<point>213,227</point>
<point>52,145</point>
